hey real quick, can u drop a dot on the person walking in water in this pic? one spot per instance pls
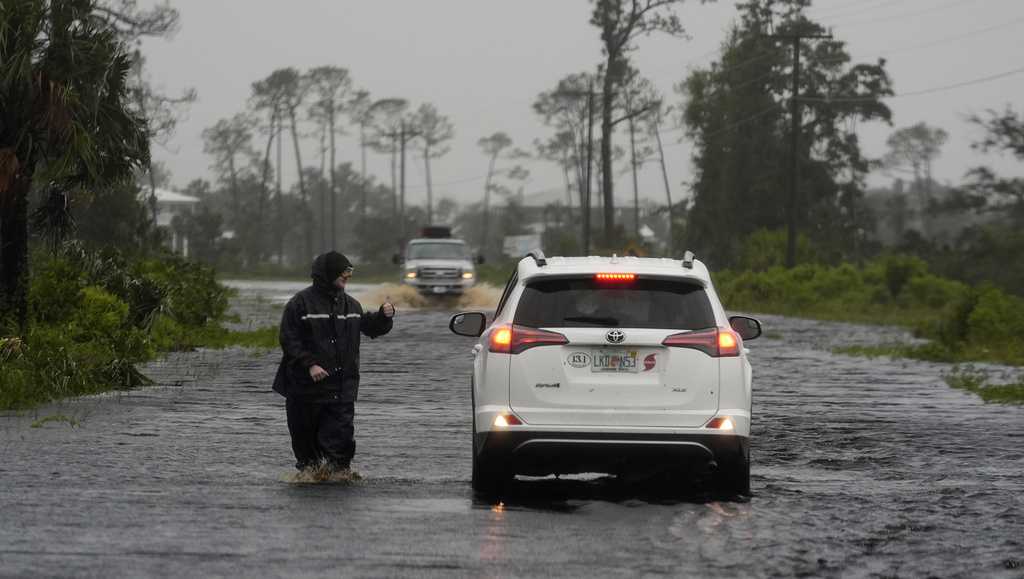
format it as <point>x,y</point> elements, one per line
<point>319,372</point>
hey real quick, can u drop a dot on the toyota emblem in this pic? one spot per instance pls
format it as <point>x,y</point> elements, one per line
<point>615,337</point>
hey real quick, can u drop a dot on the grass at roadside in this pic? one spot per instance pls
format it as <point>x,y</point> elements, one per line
<point>977,381</point>
<point>935,352</point>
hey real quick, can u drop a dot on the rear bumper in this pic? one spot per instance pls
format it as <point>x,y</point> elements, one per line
<point>543,453</point>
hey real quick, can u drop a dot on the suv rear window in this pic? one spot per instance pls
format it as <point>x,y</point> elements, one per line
<point>586,303</point>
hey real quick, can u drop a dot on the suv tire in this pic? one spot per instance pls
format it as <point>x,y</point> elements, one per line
<point>733,476</point>
<point>488,479</point>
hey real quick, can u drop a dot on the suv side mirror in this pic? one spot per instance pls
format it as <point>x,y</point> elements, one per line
<point>480,259</point>
<point>747,328</point>
<point>397,259</point>
<point>469,324</point>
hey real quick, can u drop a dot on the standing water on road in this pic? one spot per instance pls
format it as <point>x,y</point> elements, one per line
<point>860,468</point>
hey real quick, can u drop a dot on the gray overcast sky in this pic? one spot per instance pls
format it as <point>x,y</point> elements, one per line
<point>482,62</point>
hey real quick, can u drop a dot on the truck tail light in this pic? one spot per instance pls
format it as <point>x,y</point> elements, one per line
<point>516,339</point>
<point>715,342</point>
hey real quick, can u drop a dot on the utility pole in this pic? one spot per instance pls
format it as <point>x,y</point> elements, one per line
<point>794,169</point>
<point>405,134</point>
<point>401,198</point>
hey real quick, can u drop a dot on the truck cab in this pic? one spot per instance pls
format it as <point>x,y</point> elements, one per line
<point>437,263</point>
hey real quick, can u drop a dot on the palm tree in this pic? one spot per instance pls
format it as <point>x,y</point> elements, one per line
<point>65,118</point>
<point>491,146</point>
<point>331,85</point>
<point>434,130</point>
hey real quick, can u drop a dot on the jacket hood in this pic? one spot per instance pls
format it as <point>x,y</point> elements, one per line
<point>326,268</point>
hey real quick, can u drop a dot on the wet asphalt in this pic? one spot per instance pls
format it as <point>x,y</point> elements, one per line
<point>861,468</point>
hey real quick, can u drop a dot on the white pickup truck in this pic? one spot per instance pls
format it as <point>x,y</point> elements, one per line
<point>438,264</point>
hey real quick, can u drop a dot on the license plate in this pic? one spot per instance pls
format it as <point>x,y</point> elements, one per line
<point>614,361</point>
<point>439,289</point>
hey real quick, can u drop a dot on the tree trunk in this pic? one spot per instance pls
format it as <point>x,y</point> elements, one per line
<point>334,185</point>
<point>394,177</point>
<point>264,188</point>
<point>362,170</point>
<point>636,185</point>
<point>234,190</point>
<point>302,184</point>
<point>401,204</point>
<point>607,177</point>
<point>14,252</point>
<point>487,207</point>
<point>568,183</point>
<point>141,102</point>
<point>280,201</point>
<point>670,246</point>
<point>581,174</point>
<point>323,190</point>
<point>430,185</point>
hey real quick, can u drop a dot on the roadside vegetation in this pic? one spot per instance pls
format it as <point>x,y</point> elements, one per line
<point>979,382</point>
<point>93,316</point>
<point>961,322</point>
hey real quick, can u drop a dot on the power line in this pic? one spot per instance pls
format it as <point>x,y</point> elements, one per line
<point>918,92</point>
<point>735,125</point>
<point>938,41</point>
<point>888,52</point>
<point>861,8</point>
<point>907,14</point>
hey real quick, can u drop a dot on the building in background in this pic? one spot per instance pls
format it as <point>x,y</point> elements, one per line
<point>171,204</point>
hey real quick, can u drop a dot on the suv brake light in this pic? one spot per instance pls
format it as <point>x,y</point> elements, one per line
<point>615,277</point>
<point>516,339</point>
<point>716,342</point>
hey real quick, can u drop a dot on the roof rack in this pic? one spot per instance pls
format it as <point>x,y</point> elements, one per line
<point>688,260</point>
<point>538,257</point>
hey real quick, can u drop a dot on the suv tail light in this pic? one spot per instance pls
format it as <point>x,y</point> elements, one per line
<point>516,339</point>
<point>716,342</point>
<point>616,277</point>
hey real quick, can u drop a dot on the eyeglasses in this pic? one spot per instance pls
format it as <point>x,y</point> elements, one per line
<point>347,273</point>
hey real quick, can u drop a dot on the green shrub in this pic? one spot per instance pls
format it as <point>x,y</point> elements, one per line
<point>54,290</point>
<point>766,249</point>
<point>932,291</point>
<point>194,298</point>
<point>94,316</point>
<point>899,270</point>
<point>997,317</point>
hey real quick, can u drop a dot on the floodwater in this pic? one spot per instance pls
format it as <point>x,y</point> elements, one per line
<point>861,468</point>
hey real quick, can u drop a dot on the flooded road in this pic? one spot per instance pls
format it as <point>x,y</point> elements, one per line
<point>861,468</point>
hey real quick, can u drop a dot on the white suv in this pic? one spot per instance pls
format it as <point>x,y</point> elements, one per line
<point>610,365</point>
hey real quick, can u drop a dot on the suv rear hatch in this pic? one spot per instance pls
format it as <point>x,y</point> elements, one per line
<point>614,370</point>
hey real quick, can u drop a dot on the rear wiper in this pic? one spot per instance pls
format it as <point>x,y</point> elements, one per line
<point>597,321</point>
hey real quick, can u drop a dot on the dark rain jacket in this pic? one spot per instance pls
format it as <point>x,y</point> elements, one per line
<point>322,325</point>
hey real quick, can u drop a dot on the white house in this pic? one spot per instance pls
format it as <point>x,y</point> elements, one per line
<point>168,205</point>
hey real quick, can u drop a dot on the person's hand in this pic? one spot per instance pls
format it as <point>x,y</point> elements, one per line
<point>317,373</point>
<point>388,309</point>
